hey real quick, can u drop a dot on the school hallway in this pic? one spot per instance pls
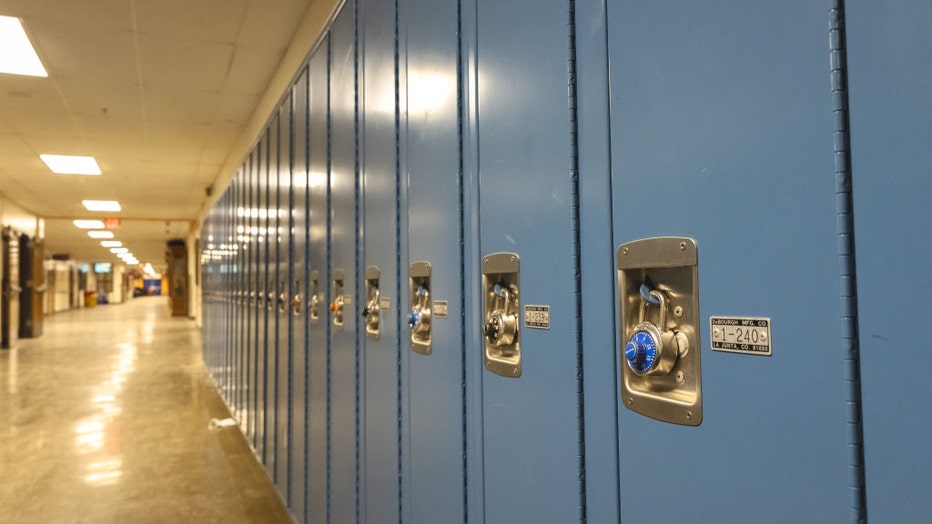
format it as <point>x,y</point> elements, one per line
<point>105,419</point>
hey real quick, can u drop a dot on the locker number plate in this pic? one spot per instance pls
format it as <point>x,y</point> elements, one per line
<point>741,335</point>
<point>537,317</point>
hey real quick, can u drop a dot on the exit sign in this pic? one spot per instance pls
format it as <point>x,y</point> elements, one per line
<point>112,223</point>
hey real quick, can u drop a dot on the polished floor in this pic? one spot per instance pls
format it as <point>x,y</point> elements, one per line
<point>104,418</point>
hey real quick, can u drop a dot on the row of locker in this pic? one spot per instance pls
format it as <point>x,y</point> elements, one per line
<point>518,262</point>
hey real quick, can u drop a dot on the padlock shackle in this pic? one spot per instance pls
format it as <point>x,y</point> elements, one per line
<point>661,303</point>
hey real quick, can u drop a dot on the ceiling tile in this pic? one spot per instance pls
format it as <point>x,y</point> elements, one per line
<point>184,63</point>
<point>251,69</point>
<point>166,104</point>
<point>74,52</point>
<point>87,14</point>
<point>202,20</point>
<point>235,109</point>
<point>272,23</point>
<point>22,95</point>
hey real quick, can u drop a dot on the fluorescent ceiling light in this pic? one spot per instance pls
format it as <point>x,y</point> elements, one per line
<point>71,165</point>
<point>18,56</point>
<point>119,250</point>
<point>89,224</point>
<point>111,243</point>
<point>100,234</point>
<point>126,256</point>
<point>101,205</point>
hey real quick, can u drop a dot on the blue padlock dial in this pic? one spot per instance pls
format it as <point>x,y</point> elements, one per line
<point>641,352</point>
<point>414,318</point>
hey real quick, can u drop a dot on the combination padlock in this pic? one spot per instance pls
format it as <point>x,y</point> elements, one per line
<point>296,302</point>
<point>419,317</point>
<point>653,349</point>
<point>501,325</point>
<point>314,305</point>
<point>337,308</point>
<point>370,312</point>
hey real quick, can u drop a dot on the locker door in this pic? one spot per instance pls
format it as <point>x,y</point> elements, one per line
<point>252,250</point>
<point>433,471</point>
<point>208,297</point>
<point>242,253</point>
<point>299,292</point>
<point>378,329</point>
<point>282,183</point>
<point>527,216</point>
<point>273,241</point>
<point>343,285</point>
<point>722,132</point>
<point>236,337</point>
<point>262,302</point>
<point>230,263</point>
<point>220,308</point>
<point>318,463</point>
<point>890,77</point>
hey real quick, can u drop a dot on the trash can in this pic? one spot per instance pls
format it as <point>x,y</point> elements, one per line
<point>90,298</point>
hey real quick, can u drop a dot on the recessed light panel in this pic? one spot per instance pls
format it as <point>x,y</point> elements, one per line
<point>89,224</point>
<point>18,56</point>
<point>100,234</point>
<point>101,205</point>
<point>119,250</point>
<point>111,243</point>
<point>71,165</point>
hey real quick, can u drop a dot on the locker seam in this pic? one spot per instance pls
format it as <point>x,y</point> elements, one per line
<point>460,122</point>
<point>398,368</point>
<point>305,318</point>
<point>265,313</point>
<point>289,315</point>
<point>577,256</point>
<point>846,257</point>
<point>328,276</point>
<point>276,120</point>
<point>356,241</point>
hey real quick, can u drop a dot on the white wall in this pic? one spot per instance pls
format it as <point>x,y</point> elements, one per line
<point>116,296</point>
<point>61,292</point>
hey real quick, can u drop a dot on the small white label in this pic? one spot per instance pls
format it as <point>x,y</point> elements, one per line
<point>747,335</point>
<point>385,303</point>
<point>440,309</point>
<point>537,317</point>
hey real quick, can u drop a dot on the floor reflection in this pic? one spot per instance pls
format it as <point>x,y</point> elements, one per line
<point>104,419</point>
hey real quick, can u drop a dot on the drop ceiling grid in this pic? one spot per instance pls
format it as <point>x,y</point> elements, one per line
<point>158,90</point>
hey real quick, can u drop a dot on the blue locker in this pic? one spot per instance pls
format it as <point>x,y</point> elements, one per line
<point>378,282</point>
<point>344,282</point>
<point>228,292</point>
<point>298,319</point>
<point>318,436</point>
<point>523,154</point>
<point>597,271</point>
<point>242,287</point>
<point>433,425</point>
<point>273,242</point>
<point>206,329</point>
<point>263,301</point>
<point>282,278</point>
<point>722,132</point>
<point>251,297</point>
<point>220,326</point>
<point>889,59</point>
